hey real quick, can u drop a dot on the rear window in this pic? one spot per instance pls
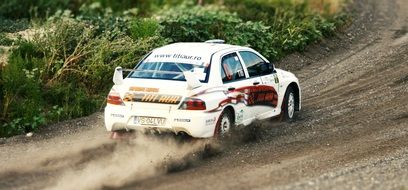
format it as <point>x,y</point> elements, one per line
<point>168,71</point>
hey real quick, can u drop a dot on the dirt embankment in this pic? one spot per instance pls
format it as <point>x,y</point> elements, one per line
<point>351,133</point>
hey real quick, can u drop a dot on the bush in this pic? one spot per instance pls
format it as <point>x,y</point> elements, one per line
<point>254,10</point>
<point>294,24</point>
<point>274,28</point>
<point>22,89</point>
<point>285,30</point>
<point>198,24</point>
<point>16,9</point>
<point>65,72</point>
<point>33,9</point>
<point>143,28</point>
<point>7,25</point>
<point>4,40</point>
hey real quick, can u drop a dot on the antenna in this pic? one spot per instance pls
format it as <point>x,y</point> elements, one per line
<point>215,41</point>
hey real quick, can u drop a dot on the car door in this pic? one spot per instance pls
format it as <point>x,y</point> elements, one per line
<point>265,94</point>
<point>236,80</point>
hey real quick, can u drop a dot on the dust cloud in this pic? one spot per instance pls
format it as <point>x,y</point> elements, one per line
<point>103,163</point>
<point>121,163</point>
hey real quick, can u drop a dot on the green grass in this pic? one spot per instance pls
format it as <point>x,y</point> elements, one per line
<point>4,40</point>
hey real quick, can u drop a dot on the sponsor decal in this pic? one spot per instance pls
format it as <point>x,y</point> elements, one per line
<point>260,95</point>
<point>143,89</point>
<point>118,115</point>
<point>181,56</point>
<point>210,121</point>
<point>210,90</point>
<point>178,56</point>
<point>198,58</point>
<point>152,98</point>
<point>276,78</point>
<point>182,120</point>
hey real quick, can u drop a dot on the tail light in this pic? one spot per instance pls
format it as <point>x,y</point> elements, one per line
<point>114,98</point>
<point>193,104</point>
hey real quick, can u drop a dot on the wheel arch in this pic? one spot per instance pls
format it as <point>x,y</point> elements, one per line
<point>297,92</point>
<point>230,109</point>
<point>227,108</point>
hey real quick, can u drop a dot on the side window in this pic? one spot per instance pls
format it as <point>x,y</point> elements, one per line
<point>255,65</point>
<point>231,68</point>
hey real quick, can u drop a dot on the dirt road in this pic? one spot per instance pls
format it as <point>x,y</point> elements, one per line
<point>351,134</point>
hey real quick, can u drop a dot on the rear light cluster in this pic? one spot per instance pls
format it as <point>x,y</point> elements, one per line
<point>193,104</point>
<point>114,98</point>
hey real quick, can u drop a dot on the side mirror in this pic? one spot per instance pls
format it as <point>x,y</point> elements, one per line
<point>267,68</point>
<point>272,67</point>
<point>118,76</point>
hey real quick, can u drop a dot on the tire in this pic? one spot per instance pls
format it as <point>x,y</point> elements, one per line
<point>224,124</point>
<point>288,105</point>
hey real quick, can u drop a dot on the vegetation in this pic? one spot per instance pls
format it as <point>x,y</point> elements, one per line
<point>4,40</point>
<point>64,70</point>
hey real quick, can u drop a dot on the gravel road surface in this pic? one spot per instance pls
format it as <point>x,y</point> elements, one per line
<point>352,132</point>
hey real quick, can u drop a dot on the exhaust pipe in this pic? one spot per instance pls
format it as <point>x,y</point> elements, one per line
<point>119,135</point>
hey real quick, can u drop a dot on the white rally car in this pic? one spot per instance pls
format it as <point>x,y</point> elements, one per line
<point>200,89</point>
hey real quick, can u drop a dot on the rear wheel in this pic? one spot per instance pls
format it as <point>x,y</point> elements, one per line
<point>224,124</point>
<point>288,105</point>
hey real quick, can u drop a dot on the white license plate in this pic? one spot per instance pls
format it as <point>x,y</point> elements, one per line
<point>151,121</point>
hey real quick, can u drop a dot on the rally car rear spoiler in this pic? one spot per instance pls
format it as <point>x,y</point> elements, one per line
<point>192,81</point>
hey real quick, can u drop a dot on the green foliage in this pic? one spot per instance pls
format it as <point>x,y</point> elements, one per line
<point>4,40</point>
<point>254,10</point>
<point>33,9</point>
<point>199,24</point>
<point>293,24</point>
<point>65,71</point>
<point>7,25</point>
<point>22,90</point>
<point>16,9</point>
<point>144,7</point>
<point>142,28</point>
<point>285,30</point>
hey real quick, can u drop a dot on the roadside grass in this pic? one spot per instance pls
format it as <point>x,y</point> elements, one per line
<point>4,40</point>
<point>63,70</point>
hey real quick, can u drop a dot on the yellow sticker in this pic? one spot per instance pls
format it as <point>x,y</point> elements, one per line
<point>143,89</point>
<point>152,98</point>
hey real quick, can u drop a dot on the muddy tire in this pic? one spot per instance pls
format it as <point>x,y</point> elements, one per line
<point>224,124</point>
<point>288,106</point>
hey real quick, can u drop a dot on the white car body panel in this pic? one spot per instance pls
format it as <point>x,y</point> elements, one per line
<point>251,99</point>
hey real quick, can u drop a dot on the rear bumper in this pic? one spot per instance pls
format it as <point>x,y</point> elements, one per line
<point>197,124</point>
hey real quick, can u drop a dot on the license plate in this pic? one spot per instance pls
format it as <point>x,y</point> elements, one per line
<point>151,121</point>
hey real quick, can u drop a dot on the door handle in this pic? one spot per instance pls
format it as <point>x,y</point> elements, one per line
<point>256,83</point>
<point>231,88</point>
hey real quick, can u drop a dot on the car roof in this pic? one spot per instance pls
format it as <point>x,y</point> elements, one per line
<point>202,47</point>
<point>189,52</point>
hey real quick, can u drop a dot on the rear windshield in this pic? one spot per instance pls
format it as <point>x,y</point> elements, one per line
<point>168,71</point>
